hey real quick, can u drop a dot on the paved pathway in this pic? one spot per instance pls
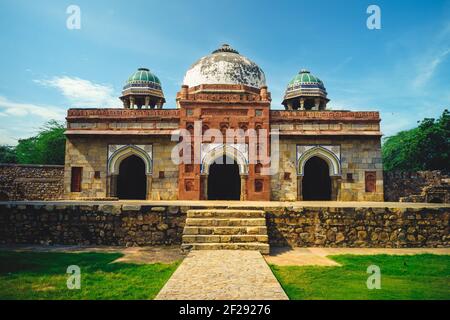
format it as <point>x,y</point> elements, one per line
<point>140,255</point>
<point>222,275</point>
<point>318,256</point>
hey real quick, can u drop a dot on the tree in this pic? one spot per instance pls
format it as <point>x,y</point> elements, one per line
<point>426,147</point>
<point>47,147</point>
<point>7,154</point>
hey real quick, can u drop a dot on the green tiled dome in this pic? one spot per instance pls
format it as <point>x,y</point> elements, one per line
<point>305,77</point>
<point>143,75</point>
<point>306,86</point>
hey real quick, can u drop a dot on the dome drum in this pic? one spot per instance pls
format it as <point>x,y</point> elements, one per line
<point>305,92</point>
<point>143,89</point>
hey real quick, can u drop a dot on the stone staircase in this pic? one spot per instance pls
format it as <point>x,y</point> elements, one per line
<point>225,229</point>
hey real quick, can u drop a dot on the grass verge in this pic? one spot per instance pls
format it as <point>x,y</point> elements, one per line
<point>42,275</point>
<point>418,277</point>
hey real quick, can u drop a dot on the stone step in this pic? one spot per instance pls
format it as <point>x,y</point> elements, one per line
<point>225,238</point>
<point>192,230</point>
<point>224,222</point>
<point>225,213</point>
<point>261,247</point>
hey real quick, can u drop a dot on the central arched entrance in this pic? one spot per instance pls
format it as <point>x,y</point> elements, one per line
<point>224,182</point>
<point>131,182</point>
<point>316,183</point>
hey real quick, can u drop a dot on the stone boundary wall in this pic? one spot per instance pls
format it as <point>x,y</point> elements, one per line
<point>31,182</point>
<point>136,225</point>
<point>359,227</point>
<point>123,225</point>
<point>399,184</point>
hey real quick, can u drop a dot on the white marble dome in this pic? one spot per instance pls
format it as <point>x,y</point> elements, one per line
<point>225,66</point>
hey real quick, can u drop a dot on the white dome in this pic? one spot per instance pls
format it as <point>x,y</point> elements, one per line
<point>225,66</point>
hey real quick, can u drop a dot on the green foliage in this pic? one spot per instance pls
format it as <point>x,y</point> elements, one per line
<point>47,147</point>
<point>42,275</point>
<point>416,277</point>
<point>7,154</point>
<point>426,147</point>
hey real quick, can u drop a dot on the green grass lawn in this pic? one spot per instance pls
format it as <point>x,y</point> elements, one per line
<point>40,275</point>
<point>402,277</point>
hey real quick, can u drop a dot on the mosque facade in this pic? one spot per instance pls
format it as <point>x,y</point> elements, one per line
<point>147,151</point>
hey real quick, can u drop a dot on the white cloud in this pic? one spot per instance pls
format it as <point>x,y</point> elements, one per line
<point>428,69</point>
<point>17,109</point>
<point>83,93</point>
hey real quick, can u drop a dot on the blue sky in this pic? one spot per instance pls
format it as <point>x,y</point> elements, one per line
<point>402,70</point>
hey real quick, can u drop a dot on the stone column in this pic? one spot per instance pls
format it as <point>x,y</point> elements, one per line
<point>149,186</point>
<point>159,104</point>
<point>147,101</point>
<point>184,91</point>
<point>302,104</point>
<point>132,102</point>
<point>335,188</point>
<point>204,187</point>
<point>289,106</point>
<point>263,93</point>
<point>299,188</point>
<point>316,104</point>
<point>112,185</point>
<point>244,179</point>
<point>126,103</point>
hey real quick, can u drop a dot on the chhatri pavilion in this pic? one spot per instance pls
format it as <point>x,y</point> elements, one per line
<point>127,153</point>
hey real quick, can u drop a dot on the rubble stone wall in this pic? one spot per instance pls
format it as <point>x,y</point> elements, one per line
<point>136,225</point>
<point>414,186</point>
<point>31,182</point>
<point>359,227</point>
<point>124,225</point>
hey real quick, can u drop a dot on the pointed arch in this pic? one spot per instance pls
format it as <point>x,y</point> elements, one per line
<point>329,157</point>
<point>124,152</point>
<point>225,150</point>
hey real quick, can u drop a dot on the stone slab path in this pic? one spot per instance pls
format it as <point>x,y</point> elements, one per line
<point>223,275</point>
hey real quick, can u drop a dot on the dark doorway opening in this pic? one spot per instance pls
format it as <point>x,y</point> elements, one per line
<point>316,183</point>
<point>224,181</point>
<point>132,181</point>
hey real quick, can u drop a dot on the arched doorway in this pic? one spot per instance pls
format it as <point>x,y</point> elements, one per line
<point>316,184</point>
<point>224,181</point>
<point>131,182</point>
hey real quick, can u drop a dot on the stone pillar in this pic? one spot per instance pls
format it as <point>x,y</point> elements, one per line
<point>244,179</point>
<point>302,104</point>
<point>147,101</point>
<point>184,91</point>
<point>204,187</point>
<point>316,104</point>
<point>263,93</point>
<point>149,186</point>
<point>132,102</point>
<point>299,188</point>
<point>159,105</point>
<point>112,185</point>
<point>289,105</point>
<point>336,188</point>
<point>126,103</point>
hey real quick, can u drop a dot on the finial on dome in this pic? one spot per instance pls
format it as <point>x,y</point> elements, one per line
<point>304,71</point>
<point>143,69</point>
<point>225,48</point>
